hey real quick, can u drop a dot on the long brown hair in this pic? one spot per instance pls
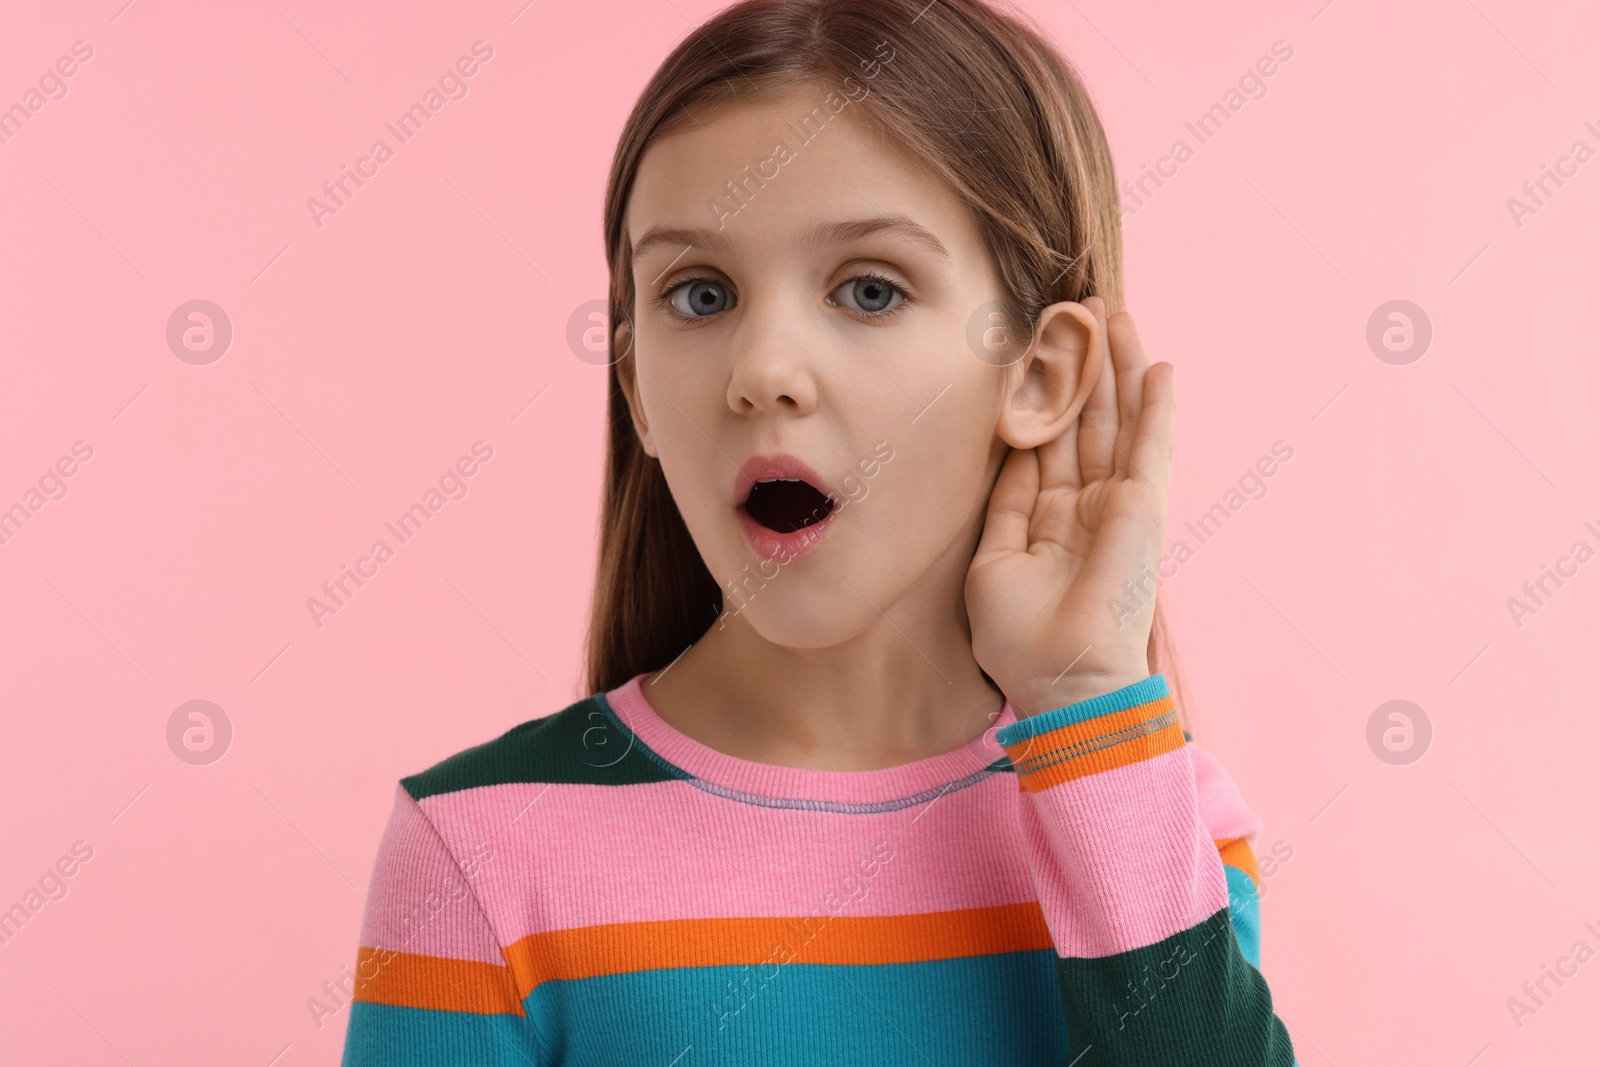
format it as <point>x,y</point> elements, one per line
<point>977,93</point>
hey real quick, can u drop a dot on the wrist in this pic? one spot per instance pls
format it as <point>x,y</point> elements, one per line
<point>1038,698</point>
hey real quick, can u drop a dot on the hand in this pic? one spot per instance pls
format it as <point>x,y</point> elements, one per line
<point>1070,522</point>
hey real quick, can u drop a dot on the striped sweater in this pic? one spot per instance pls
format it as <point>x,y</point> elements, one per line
<point>595,887</point>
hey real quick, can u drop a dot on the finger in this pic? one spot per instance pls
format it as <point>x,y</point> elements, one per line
<point>1097,432</point>
<point>1005,526</point>
<point>1151,451</point>
<point>1129,358</point>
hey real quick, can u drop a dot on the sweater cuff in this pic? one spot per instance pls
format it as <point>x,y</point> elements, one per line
<point>1129,725</point>
<point>1129,696</point>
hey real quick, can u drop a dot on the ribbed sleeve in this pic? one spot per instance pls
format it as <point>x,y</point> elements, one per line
<point>433,988</point>
<point>1135,890</point>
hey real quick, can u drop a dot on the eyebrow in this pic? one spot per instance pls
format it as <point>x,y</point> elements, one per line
<point>843,232</point>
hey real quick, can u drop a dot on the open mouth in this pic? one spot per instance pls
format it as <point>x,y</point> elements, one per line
<point>787,505</point>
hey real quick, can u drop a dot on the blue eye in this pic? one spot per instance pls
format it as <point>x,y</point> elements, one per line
<point>698,298</point>
<point>872,294</point>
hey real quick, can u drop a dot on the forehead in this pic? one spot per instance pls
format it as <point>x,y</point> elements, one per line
<point>786,170</point>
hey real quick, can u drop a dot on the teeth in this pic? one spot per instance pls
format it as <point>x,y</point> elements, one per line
<point>760,480</point>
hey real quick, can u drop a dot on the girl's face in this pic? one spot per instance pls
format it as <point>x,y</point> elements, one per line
<point>821,317</point>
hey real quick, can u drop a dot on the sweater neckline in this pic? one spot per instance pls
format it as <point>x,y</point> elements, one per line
<point>747,779</point>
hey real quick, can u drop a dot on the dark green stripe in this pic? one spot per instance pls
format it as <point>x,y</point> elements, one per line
<point>580,744</point>
<point>1191,1000</point>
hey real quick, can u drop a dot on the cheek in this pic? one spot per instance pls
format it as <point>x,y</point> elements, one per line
<point>682,415</point>
<point>921,499</point>
<point>693,469</point>
<point>935,417</point>
<point>679,393</point>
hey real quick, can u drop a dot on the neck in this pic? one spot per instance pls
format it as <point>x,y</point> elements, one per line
<point>905,688</point>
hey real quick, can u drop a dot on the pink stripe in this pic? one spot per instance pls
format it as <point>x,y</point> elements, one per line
<point>1121,858</point>
<point>768,780</point>
<point>1222,806</point>
<point>583,855</point>
<point>419,900</point>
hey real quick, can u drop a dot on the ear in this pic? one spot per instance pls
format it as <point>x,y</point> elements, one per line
<point>628,377</point>
<point>1053,380</point>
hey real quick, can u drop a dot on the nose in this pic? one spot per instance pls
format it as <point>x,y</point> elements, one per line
<point>772,363</point>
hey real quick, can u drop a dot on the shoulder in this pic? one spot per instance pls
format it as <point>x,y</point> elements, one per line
<point>1222,805</point>
<point>583,743</point>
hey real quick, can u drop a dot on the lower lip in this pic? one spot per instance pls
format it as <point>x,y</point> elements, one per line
<point>783,547</point>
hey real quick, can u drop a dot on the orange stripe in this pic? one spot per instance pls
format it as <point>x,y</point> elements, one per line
<point>1102,743</point>
<point>623,948</point>
<point>409,980</point>
<point>1236,852</point>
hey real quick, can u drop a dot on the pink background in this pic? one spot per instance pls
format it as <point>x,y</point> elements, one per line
<point>371,353</point>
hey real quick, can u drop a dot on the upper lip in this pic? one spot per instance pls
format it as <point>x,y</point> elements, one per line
<point>778,465</point>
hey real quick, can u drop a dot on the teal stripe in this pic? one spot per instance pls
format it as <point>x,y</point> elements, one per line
<point>1246,911</point>
<point>1129,696</point>
<point>995,1009</point>
<point>381,1035</point>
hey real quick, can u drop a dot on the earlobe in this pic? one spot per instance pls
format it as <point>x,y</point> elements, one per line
<point>1053,381</point>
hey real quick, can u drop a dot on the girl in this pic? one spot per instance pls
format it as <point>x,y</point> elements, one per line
<point>876,762</point>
